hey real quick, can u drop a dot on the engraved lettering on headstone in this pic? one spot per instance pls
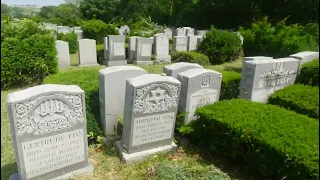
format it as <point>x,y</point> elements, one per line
<point>118,49</point>
<point>145,50</point>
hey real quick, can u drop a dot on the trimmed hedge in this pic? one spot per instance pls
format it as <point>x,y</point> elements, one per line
<point>309,73</point>
<point>71,38</point>
<point>300,98</point>
<point>87,79</point>
<point>100,53</point>
<point>230,85</point>
<point>270,140</point>
<point>191,57</point>
<point>28,54</point>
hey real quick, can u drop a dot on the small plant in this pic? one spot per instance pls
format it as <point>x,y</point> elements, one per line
<point>192,57</point>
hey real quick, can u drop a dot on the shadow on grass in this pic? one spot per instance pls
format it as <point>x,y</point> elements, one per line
<point>231,68</point>
<point>235,171</point>
<point>8,170</point>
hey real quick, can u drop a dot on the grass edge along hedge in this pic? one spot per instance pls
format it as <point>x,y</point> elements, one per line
<point>300,98</point>
<point>309,73</point>
<point>270,140</point>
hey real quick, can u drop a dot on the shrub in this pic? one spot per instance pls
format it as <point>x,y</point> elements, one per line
<point>220,46</point>
<point>191,57</point>
<point>270,140</point>
<point>170,40</point>
<point>263,39</point>
<point>97,30</point>
<point>299,98</point>
<point>28,54</point>
<point>71,38</point>
<point>230,85</point>
<point>309,73</point>
<point>100,53</point>
<point>87,79</point>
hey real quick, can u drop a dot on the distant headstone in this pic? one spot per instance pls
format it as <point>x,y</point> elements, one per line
<point>132,48</point>
<point>63,53</point>
<point>255,58</point>
<point>76,28</point>
<point>143,51</point>
<point>199,87</point>
<point>168,32</point>
<point>124,30</point>
<point>176,68</point>
<point>79,34</point>
<point>190,32</point>
<point>199,39</point>
<point>180,32</point>
<point>260,78</point>
<point>151,104</point>
<point>87,52</point>
<point>201,32</point>
<point>161,48</point>
<point>185,30</point>
<point>192,43</point>
<point>105,50</point>
<point>116,49</point>
<point>48,126</point>
<point>305,56</point>
<point>180,43</point>
<point>241,37</point>
<point>112,88</point>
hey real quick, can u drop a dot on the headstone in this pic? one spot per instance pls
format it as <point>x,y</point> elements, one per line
<point>305,56</point>
<point>116,49</point>
<point>176,68</point>
<point>180,43</point>
<point>161,48</point>
<point>201,32</point>
<point>255,58</point>
<point>190,32</point>
<point>112,88</point>
<point>132,48</point>
<point>105,50</point>
<point>263,77</point>
<point>168,32</point>
<point>199,39</point>
<point>124,30</point>
<point>185,30</point>
<point>76,28</point>
<point>63,53</point>
<point>151,104</point>
<point>143,51</point>
<point>87,52</point>
<point>199,87</point>
<point>192,43</point>
<point>48,127</point>
<point>79,34</point>
<point>180,32</point>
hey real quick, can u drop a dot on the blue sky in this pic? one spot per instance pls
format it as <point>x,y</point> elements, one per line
<point>33,2</point>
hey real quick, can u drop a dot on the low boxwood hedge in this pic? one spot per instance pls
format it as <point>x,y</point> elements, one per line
<point>273,142</point>
<point>191,57</point>
<point>309,73</point>
<point>87,79</point>
<point>300,98</point>
<point>230,85</point>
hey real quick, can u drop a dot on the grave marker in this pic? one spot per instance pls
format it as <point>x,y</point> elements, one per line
<point>63,54</point>
<point>143,51</point>
<point>116,49</point>
<point>132,48</point>
<point>176,68</point>
<point>48,126</point>
<point>261,78</point>
<point>150,112</point>
<point>112,87</point>
<point>199,87</point>
<point>161,48</point>
<point>87,52</point>
<point>305,56</point>
<point>192,43</point>
<point>180,43</point>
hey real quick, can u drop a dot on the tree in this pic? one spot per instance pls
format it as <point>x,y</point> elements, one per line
<point>47,12</point>
<point>5,9</point>
<point>66,14</point>
<point>103,10</point>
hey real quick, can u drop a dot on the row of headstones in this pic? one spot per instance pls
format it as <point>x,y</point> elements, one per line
<point>48,122</point>
<point>64,29</point>
<point>139,51</point>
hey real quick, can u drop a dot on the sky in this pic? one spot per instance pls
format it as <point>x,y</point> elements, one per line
<point>33,2</point>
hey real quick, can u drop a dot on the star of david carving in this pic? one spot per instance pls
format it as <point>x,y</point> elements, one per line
<point>157,95</point>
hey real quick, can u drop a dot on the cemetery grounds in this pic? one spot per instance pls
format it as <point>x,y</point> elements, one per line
<point>107,165</point>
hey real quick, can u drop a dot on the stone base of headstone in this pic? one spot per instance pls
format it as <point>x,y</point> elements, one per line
<point>88,65</point>
<point>143,62</point>
<point>163,60</point>
<point>116,63</point>
<point>142,155</point>
<point>79,172</point>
